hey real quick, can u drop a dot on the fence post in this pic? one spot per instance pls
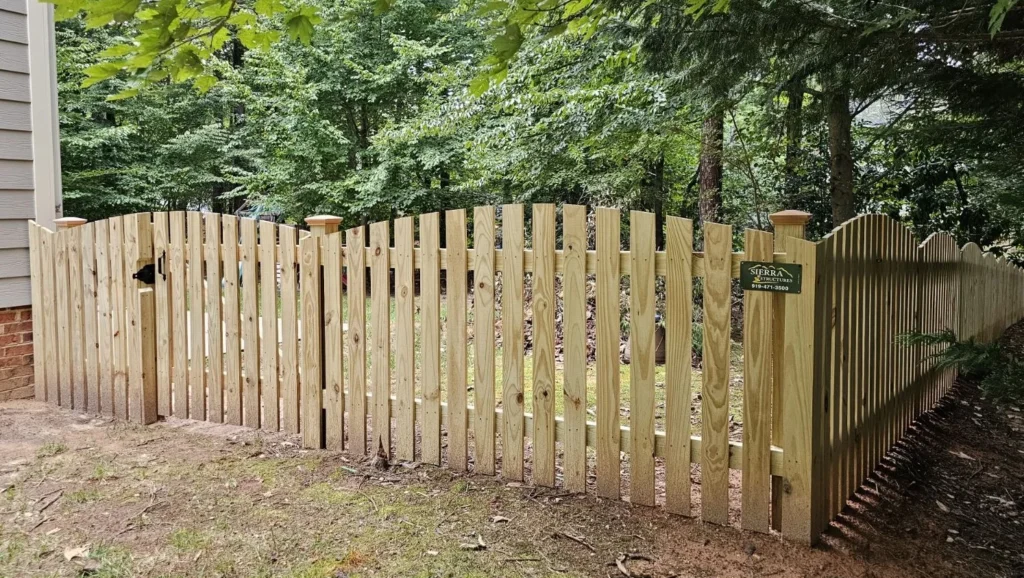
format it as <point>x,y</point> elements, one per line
<point>786,224</point>
<point>802,410</point>
<point>69,222</point>
<point>320,226</point>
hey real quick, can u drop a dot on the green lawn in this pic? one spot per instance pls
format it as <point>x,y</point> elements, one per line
<point>735,389</point>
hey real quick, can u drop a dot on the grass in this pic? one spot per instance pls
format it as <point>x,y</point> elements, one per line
<point>114,562</point>
<point>188,540</point>
<point>100,472</point>
<point>50,449</point>
<point>735,389</point>
<point>736,360</point>
<point>83,496</point>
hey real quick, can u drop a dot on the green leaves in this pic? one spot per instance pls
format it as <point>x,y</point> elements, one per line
<point>204,82</point>
<point>505,45</point>
<point>268,8</point>
<point>480,84</point>
<point>299,23</point>
<point>100,72</point>
<point>698,8</point>
<point>178,39</point>
<point>186,64</point>
<point>998,13</point>
<point>575,7</point>
<point>383,6</point>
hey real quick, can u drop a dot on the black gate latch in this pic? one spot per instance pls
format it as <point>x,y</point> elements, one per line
<point>147,274</point>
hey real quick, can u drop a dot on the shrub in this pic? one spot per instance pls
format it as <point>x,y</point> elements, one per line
<point>1000,375</point>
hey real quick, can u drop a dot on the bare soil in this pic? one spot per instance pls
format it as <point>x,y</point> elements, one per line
<point>90,497</point>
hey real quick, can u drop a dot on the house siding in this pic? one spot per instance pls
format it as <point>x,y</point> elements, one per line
<point>29,162</point>
<point>16,180</point>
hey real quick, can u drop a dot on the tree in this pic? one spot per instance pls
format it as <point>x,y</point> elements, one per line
<point>835,107</point>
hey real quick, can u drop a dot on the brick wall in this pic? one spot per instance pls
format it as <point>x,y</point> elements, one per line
<point>16,370</point>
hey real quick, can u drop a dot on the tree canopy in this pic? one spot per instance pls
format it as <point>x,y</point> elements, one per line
<point>709,109</point>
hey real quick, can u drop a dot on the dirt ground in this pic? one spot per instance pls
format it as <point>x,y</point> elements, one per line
<point>91,497</point>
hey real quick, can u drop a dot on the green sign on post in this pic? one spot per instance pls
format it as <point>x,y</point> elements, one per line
<point>776,277</point>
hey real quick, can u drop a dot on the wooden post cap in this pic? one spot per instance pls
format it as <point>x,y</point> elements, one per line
<point>69,222</point>
<point>323,220</point>
<point>789,217</point>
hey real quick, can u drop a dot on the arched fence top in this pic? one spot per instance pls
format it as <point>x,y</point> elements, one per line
<point>944,241</point>
<point>972,249</point>
<point>936,239</point>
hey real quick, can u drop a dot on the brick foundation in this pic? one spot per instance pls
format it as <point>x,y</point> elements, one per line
<point>16,370</point>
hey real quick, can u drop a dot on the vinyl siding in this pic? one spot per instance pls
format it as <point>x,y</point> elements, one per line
<point>17,204</point>
<point>16,6</point>
<point>15,291</point>
<point>15,145</point>
<point>15,174</point>
<point>13,57</point>
<point>15,115</point>
<point>13,27</point>
<point>17,200</point>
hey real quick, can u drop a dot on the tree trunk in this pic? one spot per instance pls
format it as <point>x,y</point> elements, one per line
<point>794,136</point>
<point>654,184</point>
<point>710,169</point>
<point>964,219</point>
<point>840,150</point>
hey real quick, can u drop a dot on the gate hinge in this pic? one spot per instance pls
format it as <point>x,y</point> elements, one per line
<point>147,274</point>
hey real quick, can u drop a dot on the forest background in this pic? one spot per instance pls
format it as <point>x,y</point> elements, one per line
<point>720,111</point>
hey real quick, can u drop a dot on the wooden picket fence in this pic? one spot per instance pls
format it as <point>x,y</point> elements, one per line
<point>330,334</point>
<point>876,282</point>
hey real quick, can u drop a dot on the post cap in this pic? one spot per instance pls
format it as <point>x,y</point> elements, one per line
<point>789,217</point>
<point>323,220</point>
<point>69,222</point>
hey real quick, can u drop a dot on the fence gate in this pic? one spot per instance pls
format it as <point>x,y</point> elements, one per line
<point>490,342</point>
<point>92,335</point>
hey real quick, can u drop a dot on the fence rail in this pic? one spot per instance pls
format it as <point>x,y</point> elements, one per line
<point>384,340</point>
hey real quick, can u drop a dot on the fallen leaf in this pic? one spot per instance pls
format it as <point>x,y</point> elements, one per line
<point>576,539</point>
<point>622,567</point>
<point>496,519</point>
<point>942,506</point>
<point>478,545</point>
<point>962,455</point>
<point>79,552</point>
